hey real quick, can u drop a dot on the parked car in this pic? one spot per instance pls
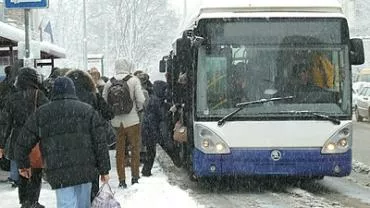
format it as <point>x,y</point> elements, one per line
<point>362,107</point>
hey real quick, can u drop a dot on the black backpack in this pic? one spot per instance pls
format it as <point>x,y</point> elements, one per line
<point>119,96</point>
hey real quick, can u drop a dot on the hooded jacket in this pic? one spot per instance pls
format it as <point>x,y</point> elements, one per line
<point>72,139</point>
<point>18,107</point>
<point>86,92</point>
<point>154,115</point>
<point>122,69</point>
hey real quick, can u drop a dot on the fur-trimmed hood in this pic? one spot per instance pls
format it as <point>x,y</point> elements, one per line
<point>82,80</point>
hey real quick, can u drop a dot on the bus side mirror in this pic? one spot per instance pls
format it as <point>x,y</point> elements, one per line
<point>162,66</point>
<point>356,51</point>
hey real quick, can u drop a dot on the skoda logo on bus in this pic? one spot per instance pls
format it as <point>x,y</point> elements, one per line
<point>276,155</point>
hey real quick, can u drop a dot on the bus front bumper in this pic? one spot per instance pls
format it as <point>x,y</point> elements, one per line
<point>286,162</point>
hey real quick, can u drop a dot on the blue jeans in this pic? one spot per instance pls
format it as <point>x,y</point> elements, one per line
<point>14,174</point>
<point>74,197</point>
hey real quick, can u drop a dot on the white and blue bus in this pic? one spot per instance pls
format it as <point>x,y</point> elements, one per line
<point>266,89</point>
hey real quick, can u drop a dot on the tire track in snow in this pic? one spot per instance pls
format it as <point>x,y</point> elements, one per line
<point>303,198</point>
<point>243,194</point>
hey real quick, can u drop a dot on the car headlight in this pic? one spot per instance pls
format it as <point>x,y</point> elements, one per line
<point>209,142</point>
<point>339,142</point>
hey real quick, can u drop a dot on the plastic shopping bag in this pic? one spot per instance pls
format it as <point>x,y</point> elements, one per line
<point>105,198</point>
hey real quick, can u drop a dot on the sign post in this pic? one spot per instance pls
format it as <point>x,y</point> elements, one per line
<point>27,5</point>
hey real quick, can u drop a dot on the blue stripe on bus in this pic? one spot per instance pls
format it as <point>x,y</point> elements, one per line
<point>293,162</point>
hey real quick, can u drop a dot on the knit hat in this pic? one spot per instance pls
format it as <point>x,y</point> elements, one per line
<point>63,85</point>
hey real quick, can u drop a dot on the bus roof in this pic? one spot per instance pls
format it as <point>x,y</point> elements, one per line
<point>263,8</point>
<point>330,6</point>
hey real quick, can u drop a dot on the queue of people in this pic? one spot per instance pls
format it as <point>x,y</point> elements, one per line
<point>75,118</point>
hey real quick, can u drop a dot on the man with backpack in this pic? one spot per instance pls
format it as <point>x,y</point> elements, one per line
<point>124,93</point>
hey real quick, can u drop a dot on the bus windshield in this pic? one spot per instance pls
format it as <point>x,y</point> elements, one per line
<point>248,66</point>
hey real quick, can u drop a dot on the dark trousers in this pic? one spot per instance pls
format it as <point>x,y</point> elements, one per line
<point>149,159</point>
<point>94,187</point>
<point>29,189</point>
<point>168,147</point>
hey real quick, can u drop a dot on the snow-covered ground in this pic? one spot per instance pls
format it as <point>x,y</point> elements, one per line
<point>154,191</point>
<point>170,187</point>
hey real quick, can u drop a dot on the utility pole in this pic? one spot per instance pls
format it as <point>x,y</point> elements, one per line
<point>84,37</point>
<point>185,10</point>
<point>27,62</point>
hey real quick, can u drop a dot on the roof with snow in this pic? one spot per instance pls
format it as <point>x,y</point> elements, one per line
<point>271,6</point>
<point>10,36</point>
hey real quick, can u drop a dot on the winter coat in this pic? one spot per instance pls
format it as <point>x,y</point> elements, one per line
<point>72,139</point>
<point>19,106</point>
<point>86,92</point>
<point>154,115</point>
<point>6,87</point>
<point>137,96</point>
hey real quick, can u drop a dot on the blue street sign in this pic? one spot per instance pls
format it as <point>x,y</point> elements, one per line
<point>26,4</point>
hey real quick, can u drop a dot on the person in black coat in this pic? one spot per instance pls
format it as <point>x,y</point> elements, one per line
<point>19,106</point>
<point>72,142</point>
<point>153,129</point>
<point>86,92</point>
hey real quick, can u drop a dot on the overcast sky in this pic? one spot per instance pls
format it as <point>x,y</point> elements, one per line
<point>191,5</point>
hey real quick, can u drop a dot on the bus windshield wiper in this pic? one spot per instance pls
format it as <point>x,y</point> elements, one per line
<point>241,106</point>
<point>319,115</point>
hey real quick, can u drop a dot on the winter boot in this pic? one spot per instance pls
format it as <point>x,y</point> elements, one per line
<point>26,204</point>
<point>122,184</point>
<point>13,183</point>
<point>134,180</point>
<point>146,173</point>
<point>37,205</point>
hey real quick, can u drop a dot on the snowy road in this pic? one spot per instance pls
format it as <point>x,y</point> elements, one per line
<point>361,141</point>
<point>171,187</point>
<point>272,193</point>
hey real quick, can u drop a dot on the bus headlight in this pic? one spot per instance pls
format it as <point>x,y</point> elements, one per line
<point>209,142</point>
<point>339,142</point>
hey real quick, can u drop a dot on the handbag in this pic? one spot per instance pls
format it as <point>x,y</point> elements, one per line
<point>180,132</point>
<point>105,198</point>
<point>35,155</point>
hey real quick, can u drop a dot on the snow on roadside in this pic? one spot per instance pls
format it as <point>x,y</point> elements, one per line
<point>359,167</point>
<point>154,191</point>
<point>303,197</point>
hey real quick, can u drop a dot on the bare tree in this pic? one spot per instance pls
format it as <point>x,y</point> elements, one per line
<point>140,30</point>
